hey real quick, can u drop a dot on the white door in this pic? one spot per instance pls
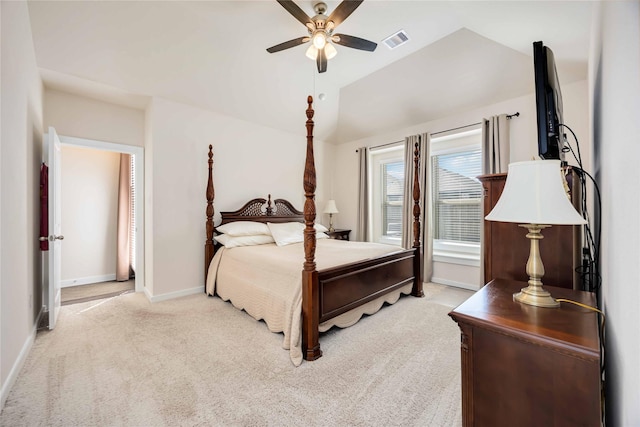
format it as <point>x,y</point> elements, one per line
<point>55,236</point>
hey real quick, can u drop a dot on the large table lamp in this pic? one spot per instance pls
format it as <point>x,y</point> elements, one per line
<point>331,209</point>
<point>534,196</point>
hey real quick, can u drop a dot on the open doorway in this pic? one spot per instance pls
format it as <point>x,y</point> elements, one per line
<point>93,173</point>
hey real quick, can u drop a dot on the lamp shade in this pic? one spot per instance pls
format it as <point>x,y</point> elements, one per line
<point>330,51</point>
<point>331,208</point>
<point>312,52</point>
<point>534,194</point>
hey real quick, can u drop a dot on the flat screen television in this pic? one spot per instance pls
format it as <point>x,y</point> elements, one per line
<point>548,103</point>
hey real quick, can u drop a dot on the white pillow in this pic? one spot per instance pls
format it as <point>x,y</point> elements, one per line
<point>235,241</point>
<point>286,233</point>
<point>244,228</point>
<point>321,228</point>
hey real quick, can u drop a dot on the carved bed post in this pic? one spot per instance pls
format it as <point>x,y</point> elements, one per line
<point>209,247</point>
<point>416,291</point>
<point>310,291</point>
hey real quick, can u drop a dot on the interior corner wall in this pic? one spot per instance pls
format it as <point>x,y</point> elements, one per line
<point>524,146</point>
<point>89,187</point>
<point>21,154</point>
<point>614,76</point>
<point>250,161</point>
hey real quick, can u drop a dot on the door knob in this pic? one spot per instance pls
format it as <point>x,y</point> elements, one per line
<point>53,237</point>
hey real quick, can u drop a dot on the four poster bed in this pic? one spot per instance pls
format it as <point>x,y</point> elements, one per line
<point>348,280</point>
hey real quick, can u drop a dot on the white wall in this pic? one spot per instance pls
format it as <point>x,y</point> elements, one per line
<point>523,132</point>
<point>615,108</point>
<point>21,152</point>
<point>249,161</point>
<point>89,190</point>
<point>82,117</point>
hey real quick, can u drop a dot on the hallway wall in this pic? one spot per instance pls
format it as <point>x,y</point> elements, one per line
<point>89,215</point>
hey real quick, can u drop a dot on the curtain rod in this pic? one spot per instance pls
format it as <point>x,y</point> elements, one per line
<point>383,145</point>
<point>459,127</point>
<point>509,117</point>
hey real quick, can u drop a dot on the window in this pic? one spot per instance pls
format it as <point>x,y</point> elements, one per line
<point>456,161</point>
<point>387,186</point>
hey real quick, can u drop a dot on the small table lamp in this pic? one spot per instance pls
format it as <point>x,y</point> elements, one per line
<point>534,196</point>
<point>331,209</point>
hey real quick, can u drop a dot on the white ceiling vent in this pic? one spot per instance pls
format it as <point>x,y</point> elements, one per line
<point>396,39</point>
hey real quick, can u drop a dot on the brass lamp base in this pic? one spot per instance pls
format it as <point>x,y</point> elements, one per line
<point>534,294</point>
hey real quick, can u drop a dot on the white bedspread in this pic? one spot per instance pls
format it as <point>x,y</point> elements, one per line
<point>266,282</point>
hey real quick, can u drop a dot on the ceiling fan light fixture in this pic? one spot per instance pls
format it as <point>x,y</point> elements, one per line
<point>312,52</point>
<point>330,51</point>
<point>320,30</point>
<point>319,39</point>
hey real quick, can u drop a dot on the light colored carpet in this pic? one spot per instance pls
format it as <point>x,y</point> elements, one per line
<point>199,361</point>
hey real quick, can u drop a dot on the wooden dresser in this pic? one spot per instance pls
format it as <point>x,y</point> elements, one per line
<point>507,247</point>
<point>528,366</point>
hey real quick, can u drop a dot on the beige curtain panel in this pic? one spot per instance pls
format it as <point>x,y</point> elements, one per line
<point>495,157</point>
<point>495,144</point>
<point>362,232</point>
<point>123,258</point>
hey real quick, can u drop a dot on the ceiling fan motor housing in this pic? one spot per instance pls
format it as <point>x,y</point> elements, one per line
<point>320,8</point>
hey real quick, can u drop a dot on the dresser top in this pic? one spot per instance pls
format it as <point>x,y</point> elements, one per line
<point>570,327</point>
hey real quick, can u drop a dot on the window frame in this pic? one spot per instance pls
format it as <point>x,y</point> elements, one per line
<point>377,159</point>
<point>458,141</point>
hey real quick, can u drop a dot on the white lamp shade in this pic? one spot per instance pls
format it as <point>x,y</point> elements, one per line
<point>330,51</point>
<point>312,52</point>
<point>331,208</point>
<point>534,194</point>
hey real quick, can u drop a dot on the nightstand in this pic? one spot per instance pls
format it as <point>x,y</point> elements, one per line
<point>528,366</point>
<point>339,234</point>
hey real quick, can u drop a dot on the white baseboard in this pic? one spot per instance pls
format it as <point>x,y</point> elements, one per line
<point>172,295</point>
<point>454,283</point>
<point>147,293</point>
<point>87,280</point>
<point>19,363</point>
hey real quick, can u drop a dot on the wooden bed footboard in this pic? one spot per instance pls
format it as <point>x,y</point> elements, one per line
<point>349,286</point>
<point>336,290</point>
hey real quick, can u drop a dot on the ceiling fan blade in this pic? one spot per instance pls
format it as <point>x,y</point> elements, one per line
<point>343,10</point>
<point>354,42</point>
<point>295,10</point>
<point>288,44</point>
<point>321,60</point>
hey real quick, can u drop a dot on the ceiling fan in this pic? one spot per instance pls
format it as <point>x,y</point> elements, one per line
<point>320,29</point>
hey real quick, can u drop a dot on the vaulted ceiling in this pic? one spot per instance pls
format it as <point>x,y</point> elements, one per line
<point>211,54</point>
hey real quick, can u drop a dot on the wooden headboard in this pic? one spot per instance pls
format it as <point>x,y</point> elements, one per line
<point>263,210</point>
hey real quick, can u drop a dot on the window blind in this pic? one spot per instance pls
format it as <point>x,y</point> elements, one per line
<point>457,196</point>
<point>393,188</point>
